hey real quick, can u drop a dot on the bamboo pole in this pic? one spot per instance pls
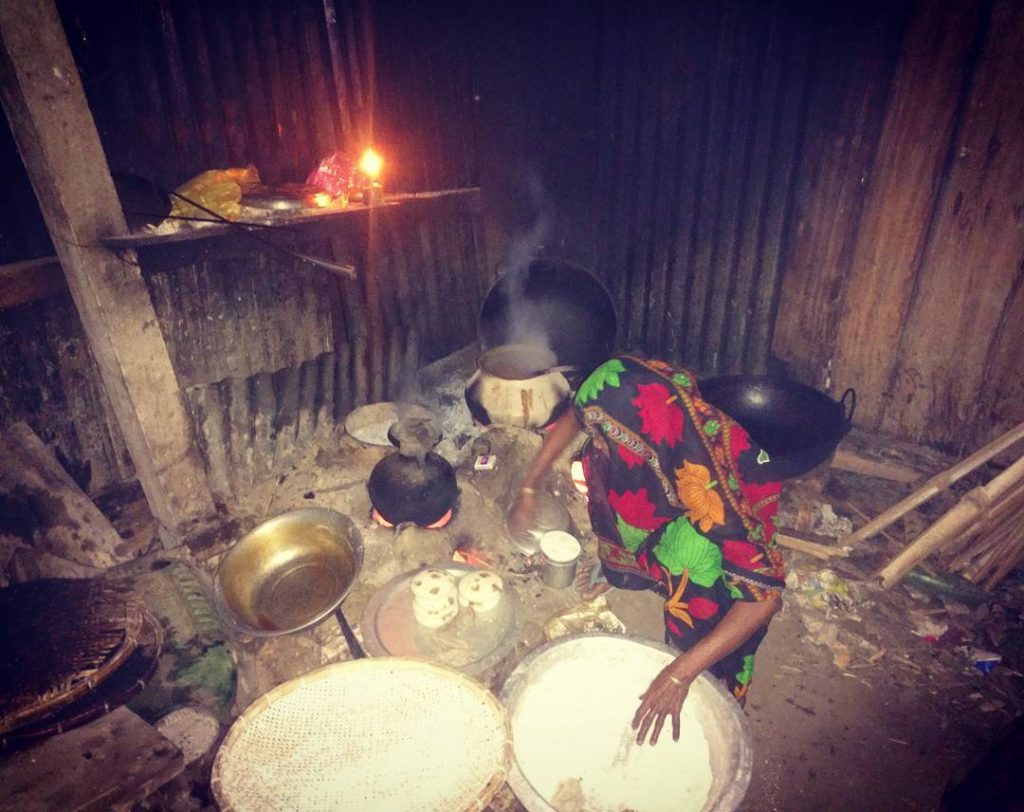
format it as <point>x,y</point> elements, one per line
<point>810,547</point>
<point>989,529</point>
<point>955,521</point>
<point>936,485</point>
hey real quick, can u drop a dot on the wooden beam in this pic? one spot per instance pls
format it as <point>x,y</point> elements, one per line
<point>30,281</point>
<point>56,136</point>
<point>69,525</point>
<point>813,548</point>
<point>846,459</point>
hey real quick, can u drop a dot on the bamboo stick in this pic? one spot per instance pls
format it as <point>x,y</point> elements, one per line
<point>955,521</point>
<point>810,547</point>
<point>1008,504</point>
<point>990,529</point>
<point>1011,552</point>
<point>936,485</point>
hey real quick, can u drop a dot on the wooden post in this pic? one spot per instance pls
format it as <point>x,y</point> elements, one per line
<point>56,136</point>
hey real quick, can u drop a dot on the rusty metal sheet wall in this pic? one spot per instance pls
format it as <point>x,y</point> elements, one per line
<point>709,111</point>
<point>181,86</point>
<point>268,350</point>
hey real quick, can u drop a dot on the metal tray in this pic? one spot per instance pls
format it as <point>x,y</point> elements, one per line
<point>472,642</point>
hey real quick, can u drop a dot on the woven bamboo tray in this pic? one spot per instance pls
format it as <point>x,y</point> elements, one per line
<point>127,681</point>
<point>376,735</point>
<point>61,637</point>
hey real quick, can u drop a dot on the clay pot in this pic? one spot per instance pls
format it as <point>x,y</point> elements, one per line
<point>517,385</point>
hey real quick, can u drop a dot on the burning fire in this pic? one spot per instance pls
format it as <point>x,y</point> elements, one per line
<point>435,526</point>
<point>371,164</point>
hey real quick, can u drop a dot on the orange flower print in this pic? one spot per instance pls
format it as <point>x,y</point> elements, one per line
<point>675,605</point>
<point>697,492</point>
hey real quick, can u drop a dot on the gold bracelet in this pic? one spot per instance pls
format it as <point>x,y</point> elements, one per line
<point>676,681</point>
<point>526,489</point>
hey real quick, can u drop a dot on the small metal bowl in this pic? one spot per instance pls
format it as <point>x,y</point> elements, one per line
<point>289,573</point>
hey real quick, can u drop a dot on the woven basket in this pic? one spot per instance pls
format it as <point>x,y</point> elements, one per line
<point>60,638</point>
<point>128,680</point>
<point>376,735</point>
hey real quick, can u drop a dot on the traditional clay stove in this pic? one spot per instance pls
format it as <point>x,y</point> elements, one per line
<point>413,484</point>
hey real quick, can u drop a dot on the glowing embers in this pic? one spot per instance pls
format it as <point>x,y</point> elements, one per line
<point>442,522</point>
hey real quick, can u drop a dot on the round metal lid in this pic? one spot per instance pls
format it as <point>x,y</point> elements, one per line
<point>551,515</point>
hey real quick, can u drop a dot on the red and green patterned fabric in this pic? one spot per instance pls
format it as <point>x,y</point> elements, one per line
<point>677,501</point>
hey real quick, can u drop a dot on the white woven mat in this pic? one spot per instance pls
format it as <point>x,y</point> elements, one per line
<point>384,734</point>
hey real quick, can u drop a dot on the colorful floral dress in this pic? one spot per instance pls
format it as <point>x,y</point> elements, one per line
<point>677,502</point>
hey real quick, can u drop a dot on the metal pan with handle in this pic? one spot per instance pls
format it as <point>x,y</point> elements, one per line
<point>799,426</point>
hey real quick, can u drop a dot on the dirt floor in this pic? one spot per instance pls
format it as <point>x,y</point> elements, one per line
<point>862,698</point>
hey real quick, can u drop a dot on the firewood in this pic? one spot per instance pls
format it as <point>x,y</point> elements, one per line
<point>936,485</point>
<point>955,521</point>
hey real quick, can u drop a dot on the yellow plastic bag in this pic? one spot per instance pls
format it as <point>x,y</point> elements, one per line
<point>219,190</point>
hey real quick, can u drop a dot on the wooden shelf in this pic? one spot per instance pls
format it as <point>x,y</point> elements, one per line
<point>462,200</point>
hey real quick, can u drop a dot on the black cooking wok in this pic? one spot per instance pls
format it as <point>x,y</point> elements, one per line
<point>555,303</point>
<point>797,425</point>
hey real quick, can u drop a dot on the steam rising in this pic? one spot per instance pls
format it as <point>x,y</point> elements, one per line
<point>526,323</point>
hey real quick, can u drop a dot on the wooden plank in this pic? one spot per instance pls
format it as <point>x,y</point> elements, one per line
<point>848,460</point>
<point>30,281</point>
<point>972,259</point>
<point>55,132</point>
<point>111,763</point>
<point>437,203</point>
<point>901,197</point>
<point>69,524</point>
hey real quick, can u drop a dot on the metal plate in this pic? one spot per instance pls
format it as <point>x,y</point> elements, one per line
<point>285,197</point>
<point>369,424</point>
<point>471,642</point>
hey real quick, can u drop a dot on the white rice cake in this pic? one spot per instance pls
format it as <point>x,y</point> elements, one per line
<point>431,589</point>
<point>480,591</point>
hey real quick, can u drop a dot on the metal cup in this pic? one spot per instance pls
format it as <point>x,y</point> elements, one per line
<point>559,554</point>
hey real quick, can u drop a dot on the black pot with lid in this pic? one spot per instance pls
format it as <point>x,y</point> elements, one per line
<point>413,484</point>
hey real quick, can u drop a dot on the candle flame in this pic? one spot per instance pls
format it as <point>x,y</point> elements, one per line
<point>371,163</point>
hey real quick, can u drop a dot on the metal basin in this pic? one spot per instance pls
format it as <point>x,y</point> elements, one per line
<point>289,573</point>
<point>586,741</point>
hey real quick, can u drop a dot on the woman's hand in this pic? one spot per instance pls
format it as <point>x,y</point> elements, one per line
<point>664,698</point>
<point>523,514</point>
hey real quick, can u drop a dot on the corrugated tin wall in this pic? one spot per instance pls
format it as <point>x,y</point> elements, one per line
<point>833,184</point>
<point>905,275</point>
<point>270,352</point>
<point>181,86</point>
<point>710,114</point>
